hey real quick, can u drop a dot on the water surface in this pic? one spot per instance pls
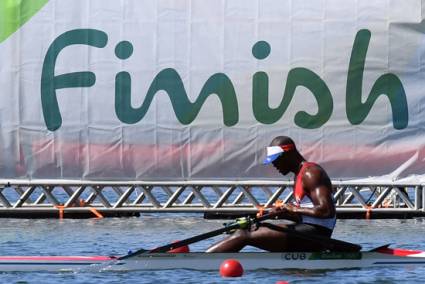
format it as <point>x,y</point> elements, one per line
<point>115,236</point>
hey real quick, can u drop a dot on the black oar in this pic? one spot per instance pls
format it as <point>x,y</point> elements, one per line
<point>243,223</point>
<point>240,223</point>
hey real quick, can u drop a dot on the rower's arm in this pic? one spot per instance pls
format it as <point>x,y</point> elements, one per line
<point>324,207</point>
<point>316,182</point>
<point>284,212</point>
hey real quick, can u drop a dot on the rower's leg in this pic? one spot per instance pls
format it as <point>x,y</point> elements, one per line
<point>270,240</point>
<point>233,243</point>
<point>263,238</point>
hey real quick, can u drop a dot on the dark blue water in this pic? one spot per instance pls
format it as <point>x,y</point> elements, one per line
<point>116,236</point>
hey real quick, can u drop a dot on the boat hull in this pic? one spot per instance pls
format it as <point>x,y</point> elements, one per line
<point>212,261</point>
<point>254,261</point>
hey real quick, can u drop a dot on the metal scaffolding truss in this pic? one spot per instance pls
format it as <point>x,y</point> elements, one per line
<point>73,197</point>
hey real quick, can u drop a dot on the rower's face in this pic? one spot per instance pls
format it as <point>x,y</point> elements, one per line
<point>281,166</point>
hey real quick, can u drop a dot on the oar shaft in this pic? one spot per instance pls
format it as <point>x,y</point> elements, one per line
<point>328,243</point>
<point>187,241</point>
<point>228,228</point>
<point>195,239</point>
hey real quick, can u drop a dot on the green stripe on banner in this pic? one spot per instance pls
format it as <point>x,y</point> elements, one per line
<point>15,13</point>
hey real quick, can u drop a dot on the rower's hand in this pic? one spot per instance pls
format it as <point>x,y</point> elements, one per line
<point>278,210</point>
<point>283,209</point>
<point>289,208</point>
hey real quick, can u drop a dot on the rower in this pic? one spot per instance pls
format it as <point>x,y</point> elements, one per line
<point>313,211</point>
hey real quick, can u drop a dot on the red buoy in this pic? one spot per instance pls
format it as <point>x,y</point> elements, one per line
<point>182,249</point>
<point>231,268</point>
<point>282,282</point>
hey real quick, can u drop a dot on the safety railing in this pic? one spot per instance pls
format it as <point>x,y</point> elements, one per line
<point>32,198</point>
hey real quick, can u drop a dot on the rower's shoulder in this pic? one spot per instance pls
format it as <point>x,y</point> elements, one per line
<point>314,175</point>
<point>313,170</point>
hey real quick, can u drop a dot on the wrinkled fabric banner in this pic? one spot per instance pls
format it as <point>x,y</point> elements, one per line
<point>195,89</point>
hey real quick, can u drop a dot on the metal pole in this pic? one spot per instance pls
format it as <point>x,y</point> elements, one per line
<point>418,199</point>
<point>423,198</point>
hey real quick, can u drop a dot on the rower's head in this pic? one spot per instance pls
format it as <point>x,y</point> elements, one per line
<point>283,155</point>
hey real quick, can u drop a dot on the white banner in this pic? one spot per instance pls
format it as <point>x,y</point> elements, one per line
<point>195,89</point>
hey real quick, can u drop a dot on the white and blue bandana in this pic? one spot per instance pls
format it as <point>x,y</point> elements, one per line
<point>273,152</point>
